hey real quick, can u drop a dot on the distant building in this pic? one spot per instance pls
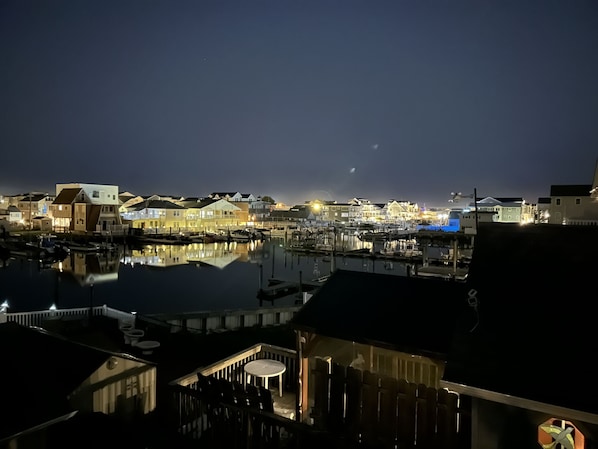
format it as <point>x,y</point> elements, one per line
<point>543,210</point>
<point>575,204</point>
<point>572,205</point>
<point>33,204</point>
<point>86,208</point>
<point>508,210</point>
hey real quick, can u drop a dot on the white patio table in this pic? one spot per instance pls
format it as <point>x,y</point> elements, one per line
<point>265,368</point>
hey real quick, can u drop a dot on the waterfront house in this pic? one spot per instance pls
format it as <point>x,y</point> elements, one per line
<point>156,216</point>
<point>299,214</point>
<point>339,212</point>
<point>47,380</point>
<point>86,208</point>
<point>525,356</point>
<point>507,210</point>
<point>400,212</point>
<point>207,214</point>
<point>63,206</point>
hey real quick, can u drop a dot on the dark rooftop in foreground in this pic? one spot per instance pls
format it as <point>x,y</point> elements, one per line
<point>534,287</point>
<point>407,314</point>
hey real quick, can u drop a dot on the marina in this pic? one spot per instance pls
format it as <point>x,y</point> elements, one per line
<point>187,278</point>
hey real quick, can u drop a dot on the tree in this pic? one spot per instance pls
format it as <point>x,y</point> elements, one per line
<point>268,199</point>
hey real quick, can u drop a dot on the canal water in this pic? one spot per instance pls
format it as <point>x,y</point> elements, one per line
<point>174,278</point>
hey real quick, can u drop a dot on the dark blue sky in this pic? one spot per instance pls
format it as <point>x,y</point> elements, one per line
<point>299,99</point>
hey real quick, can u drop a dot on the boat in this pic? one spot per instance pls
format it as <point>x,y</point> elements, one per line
<point>240,235</point>
<point>373,236</point>
<point>44,248</point>
<point>81,247</point>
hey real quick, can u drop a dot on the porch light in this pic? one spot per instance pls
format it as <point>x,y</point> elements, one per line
<point>53,307</point>
<point>4,306</point>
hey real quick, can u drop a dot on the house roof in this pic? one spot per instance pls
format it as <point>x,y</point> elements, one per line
<point>544,200</point>
<point>155,204</point>
<point>67,196</point>
<point>35,197</point>
<point>93,217</point>
<point>39,371</point>
<point>570,190</point>
<point>222,194</point>
<point>413,315</point>
<point>536,329</point>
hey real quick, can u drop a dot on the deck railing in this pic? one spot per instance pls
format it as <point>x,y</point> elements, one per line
<point>37,318</point>
<point>231,368</point>
<point>220,424</point>
<point>220,320</point>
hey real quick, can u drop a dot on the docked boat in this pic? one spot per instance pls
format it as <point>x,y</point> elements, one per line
<point>240,235</point>
<point>373,236</point>
<point>81,247</point>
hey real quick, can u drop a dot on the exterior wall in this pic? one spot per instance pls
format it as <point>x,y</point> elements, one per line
<point>80,217</point>
<point>120,386</point>
<point>62,216</point>
<point>573,210</point>
<point>371,212</point>
<point>97,193</point>
<point>44,224</point>
<point>33,209</point>
<point>161,220</point>
<point>500,426</point>
<point>396,211</point>
<point>109,217</point>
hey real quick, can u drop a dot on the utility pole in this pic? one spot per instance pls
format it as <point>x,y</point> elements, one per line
<point>475,203</point>
<point>30,214</point>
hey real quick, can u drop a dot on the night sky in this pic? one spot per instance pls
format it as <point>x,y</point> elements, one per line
<point>300,99</point>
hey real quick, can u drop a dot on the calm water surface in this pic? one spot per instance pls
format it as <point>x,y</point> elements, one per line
<point>171,279</point>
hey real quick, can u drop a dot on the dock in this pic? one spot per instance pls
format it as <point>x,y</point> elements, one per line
<point>278,289</point>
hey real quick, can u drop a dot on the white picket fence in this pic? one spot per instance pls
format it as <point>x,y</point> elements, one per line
<point>36,318</point>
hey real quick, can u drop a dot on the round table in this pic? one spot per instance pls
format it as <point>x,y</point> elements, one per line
<point>265,368</point>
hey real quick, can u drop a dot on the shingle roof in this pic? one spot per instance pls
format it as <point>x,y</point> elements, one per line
<point>155,204</point>
<point>38,372</point>
<point>413,315</point>
<point>67,196</point>
<point>536,331</point>
<point>570,190</point>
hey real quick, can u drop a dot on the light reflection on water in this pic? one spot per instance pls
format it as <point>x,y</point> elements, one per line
<point>171,278</point>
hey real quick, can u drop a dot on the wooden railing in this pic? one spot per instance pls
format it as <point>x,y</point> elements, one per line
<point>218,424</point>
<point>220,320</point>
<point>231,368</point>
<point>36,318</point>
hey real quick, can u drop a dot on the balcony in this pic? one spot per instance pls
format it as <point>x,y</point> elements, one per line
<point>231,370</point>
<point>213,407</point>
